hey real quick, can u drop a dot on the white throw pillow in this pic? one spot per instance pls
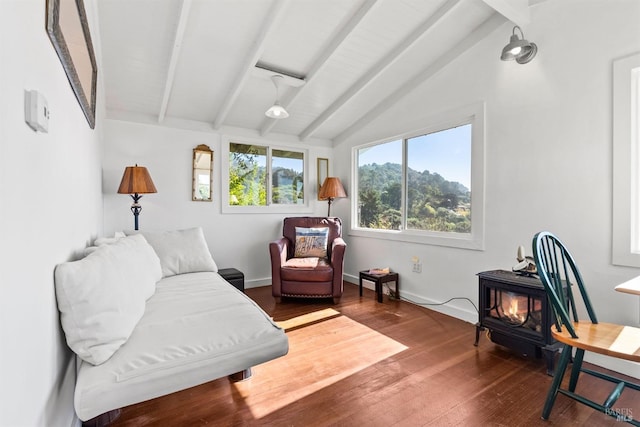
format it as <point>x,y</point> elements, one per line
<point>102,297</point>
<point>181,251</point>
<point>104,241</point>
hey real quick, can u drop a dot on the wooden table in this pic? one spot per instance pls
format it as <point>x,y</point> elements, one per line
<point>630,286</point>
<point>379,279</point>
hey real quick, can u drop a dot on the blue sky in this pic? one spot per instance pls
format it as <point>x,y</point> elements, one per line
<point>446,152</point>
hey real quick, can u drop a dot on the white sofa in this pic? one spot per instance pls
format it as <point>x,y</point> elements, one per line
<point>148,315</point>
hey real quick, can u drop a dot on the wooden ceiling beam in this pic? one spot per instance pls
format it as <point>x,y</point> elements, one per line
<point>481,32</point>
<point>321,61</point>
<point>244,71</point>
<point>173,61</point>
<point>516,11</point>
<point>378,68</point>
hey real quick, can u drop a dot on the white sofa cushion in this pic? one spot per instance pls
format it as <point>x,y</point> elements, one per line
<point>104,241</point>
<point>197,327</point>
<point>102,297</point>
<point>181,251</point>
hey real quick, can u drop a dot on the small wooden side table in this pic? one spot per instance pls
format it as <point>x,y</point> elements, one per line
<point>379,279</point>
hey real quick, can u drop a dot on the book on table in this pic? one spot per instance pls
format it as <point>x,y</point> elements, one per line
<point>379,271</point>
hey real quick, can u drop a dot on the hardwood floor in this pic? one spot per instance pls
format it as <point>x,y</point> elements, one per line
<point>364,363</point>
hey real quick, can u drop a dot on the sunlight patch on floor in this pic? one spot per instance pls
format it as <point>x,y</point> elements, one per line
<point>308,318</point>
<point>320,355</point>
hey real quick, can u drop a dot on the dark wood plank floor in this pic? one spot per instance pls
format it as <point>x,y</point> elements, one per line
<point>390,364</point>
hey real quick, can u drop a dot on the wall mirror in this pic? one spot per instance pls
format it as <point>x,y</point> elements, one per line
<point>68,30</point>
<point>323,172</point>
<point>202,173</point>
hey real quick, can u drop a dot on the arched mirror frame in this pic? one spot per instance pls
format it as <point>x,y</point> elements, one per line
<point>202,167</point>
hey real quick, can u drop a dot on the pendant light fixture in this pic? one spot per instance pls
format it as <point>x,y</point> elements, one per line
<point>519,48</point>
<point>277,111</point>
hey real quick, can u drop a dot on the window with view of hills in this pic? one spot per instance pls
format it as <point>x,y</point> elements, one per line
<point>425,186</point>
<point>249,167</point>
<point>435,198</point>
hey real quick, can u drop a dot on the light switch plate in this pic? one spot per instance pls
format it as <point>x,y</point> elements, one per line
<point>36,111</point>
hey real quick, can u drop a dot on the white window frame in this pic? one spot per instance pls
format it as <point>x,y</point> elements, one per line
<point>472,114</point>
<point>303,208</point>
<point>626,161</point>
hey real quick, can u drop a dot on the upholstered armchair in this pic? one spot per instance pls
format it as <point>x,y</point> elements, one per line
<point>299,267</point>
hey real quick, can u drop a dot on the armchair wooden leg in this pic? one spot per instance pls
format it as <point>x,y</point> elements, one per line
<point>278,300</point>
<point>336,300</point>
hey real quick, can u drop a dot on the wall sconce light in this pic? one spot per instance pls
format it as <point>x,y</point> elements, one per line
<point>331,188</point>
<point>519,48</point>
<point>135,182</point>
<point>276,111</point>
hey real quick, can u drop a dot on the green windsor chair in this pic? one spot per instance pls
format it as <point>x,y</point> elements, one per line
<point>557,268</point>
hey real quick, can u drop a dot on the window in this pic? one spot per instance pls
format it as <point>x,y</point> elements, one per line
<point>425,186</point>
<point>247,175</point>
<point>260,177</point>
<point>626,161</point>
<point>288,177</point>
<point>440,200</point>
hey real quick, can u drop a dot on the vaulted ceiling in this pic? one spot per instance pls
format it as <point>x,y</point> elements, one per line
<point>196,60</point>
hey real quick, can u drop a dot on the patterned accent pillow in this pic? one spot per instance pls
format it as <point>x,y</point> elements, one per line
<point>311,242</point>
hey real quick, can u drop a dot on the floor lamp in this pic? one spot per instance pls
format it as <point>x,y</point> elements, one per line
<point>331,189</point>
<point>135,182</point>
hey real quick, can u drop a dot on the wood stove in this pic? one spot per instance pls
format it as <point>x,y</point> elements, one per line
<point>516,312</point>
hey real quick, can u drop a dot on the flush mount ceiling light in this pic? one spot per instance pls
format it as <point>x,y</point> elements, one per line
<point>277,111</point>
<point>519,48</point>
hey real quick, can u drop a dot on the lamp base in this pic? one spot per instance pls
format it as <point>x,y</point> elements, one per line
<point>136,208</point>
<point>330,199</point>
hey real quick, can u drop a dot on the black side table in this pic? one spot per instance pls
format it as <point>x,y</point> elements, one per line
<point>233,276</point>
<point>379,279</point>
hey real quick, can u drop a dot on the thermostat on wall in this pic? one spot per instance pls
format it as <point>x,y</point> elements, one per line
<point>36,111</point>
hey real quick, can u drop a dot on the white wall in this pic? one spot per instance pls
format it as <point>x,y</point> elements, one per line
<point>548,154</point>
<point>50,208</point>
<point>235,240</point>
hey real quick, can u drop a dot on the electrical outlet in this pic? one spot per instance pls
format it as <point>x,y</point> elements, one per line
<point>417,265</point>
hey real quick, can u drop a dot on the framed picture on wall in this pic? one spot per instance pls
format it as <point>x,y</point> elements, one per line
<point>323,171</point>
<point>69,33</point>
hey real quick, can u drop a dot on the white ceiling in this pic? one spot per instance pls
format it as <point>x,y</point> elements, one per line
<point>195,59</point>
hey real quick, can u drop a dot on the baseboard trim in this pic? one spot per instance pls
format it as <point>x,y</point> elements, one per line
<point>257,283</point>
<point>625,367</point>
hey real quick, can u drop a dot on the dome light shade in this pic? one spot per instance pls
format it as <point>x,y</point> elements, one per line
<point>276,111</point>
<point>519,49</point>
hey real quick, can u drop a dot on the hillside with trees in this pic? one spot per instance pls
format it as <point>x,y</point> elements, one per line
<point>433,203</point>
<point>248,182</point>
